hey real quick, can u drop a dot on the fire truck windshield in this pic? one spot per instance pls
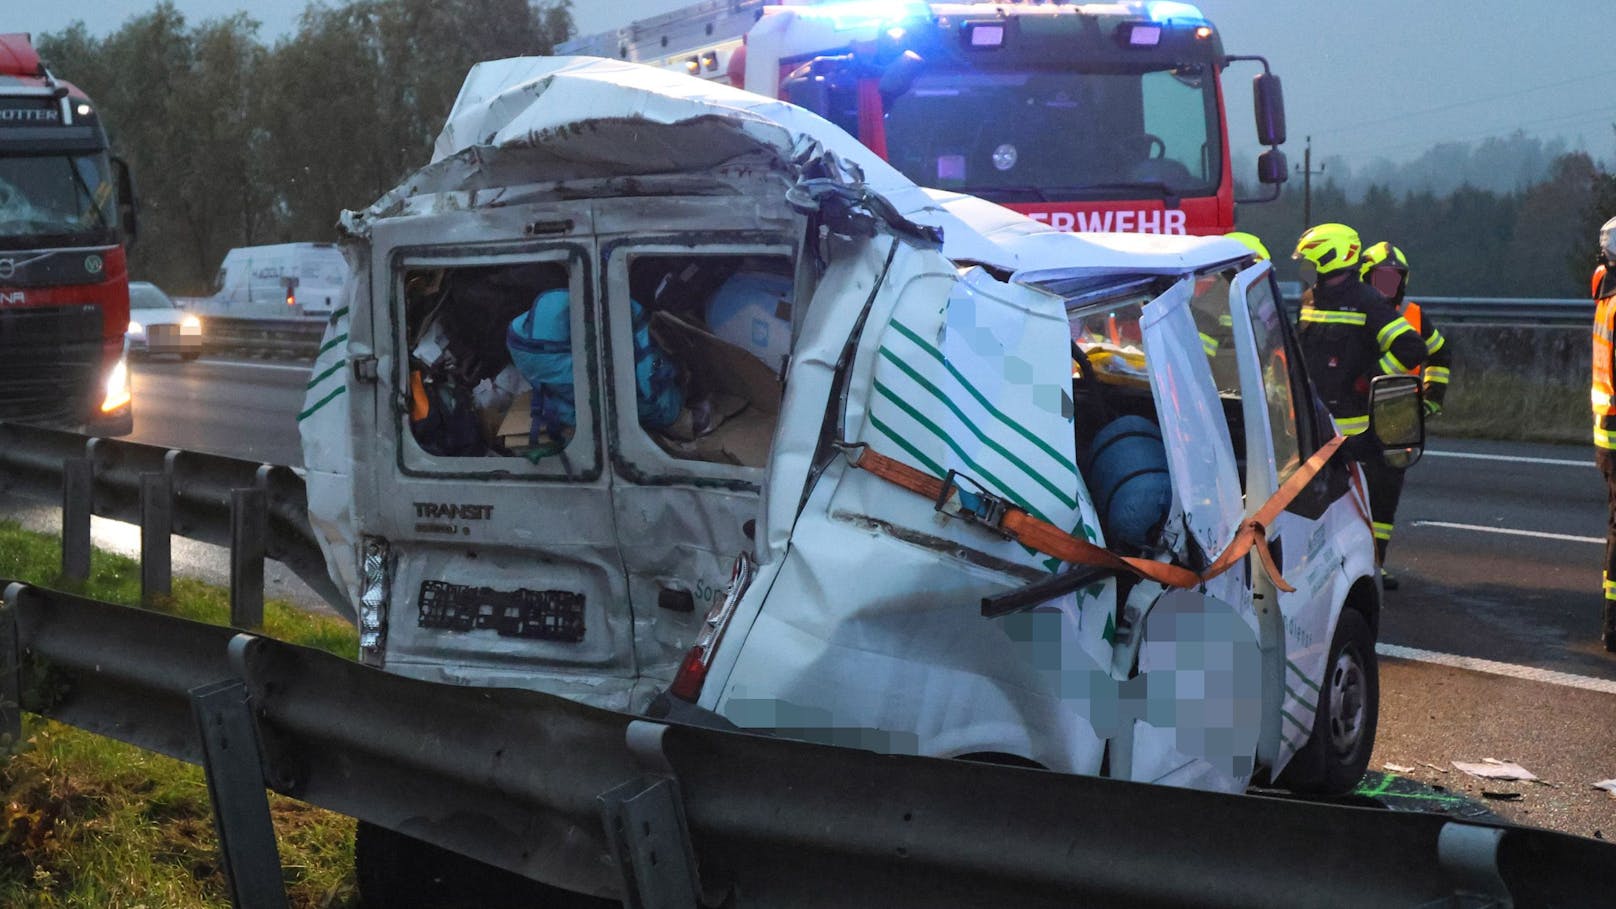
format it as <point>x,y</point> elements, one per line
<point>1038,135</point>
<point>56,199</point>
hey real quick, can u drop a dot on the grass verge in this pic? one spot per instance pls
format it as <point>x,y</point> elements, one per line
<point>88,821</point>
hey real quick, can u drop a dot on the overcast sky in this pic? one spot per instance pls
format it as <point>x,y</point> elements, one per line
<point>1372,77</point>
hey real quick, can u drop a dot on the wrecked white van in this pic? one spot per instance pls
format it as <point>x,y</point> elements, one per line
<point>665,397</point>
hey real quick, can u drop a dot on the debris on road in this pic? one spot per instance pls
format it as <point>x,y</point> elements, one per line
<point>1607,785</point>
<point>1397,768</point>
<point>1434,767</point>
<point>1501,796</point>
<point>1494,769</point>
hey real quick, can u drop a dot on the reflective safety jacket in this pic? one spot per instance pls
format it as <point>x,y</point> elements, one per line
<point>1604,325</point>
<point>1349,335</point>
<point>1438,355</point>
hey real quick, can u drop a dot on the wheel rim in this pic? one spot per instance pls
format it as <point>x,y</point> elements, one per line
<point>1348,689</point>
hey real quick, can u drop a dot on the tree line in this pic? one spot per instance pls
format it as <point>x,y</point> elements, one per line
<point>1535,241</point>
<point>235,142</point>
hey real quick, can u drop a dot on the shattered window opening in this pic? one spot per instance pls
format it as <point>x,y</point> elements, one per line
<point>490,361</point>
<point>712,334</point>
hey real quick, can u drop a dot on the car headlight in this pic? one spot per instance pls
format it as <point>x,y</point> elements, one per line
<point>135,328</point>
<point>190,325</point>
<point>117,387</point>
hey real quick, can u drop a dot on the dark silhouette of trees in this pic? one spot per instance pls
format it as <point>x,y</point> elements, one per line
<point>235,143</point>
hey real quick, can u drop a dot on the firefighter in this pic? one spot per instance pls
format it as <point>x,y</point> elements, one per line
<point>1350,333</point>
<point>1251,242</point>
<point>1385,268</point>
<point>1604,292</point>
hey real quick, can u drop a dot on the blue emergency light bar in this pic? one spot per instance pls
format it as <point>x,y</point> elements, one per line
<point>854,14</point>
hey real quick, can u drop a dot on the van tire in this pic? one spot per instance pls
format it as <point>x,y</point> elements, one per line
<point>395,871</point>
<point>1337,753</point>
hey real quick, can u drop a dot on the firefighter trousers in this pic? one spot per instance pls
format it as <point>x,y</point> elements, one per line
<point>1606,459</point>
<point>1385,489</point>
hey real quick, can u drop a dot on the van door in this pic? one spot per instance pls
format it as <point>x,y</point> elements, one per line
<point>697,341</point>
<point>492,496</point>
<point>1275,447</point>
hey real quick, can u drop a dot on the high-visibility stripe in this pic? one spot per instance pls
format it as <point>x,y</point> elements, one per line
<point>1383,531</point>
<point>1604,438</point>
<point>1391,331</point>
<point>1601,398</point>
<point>1392,366</point>
<point>1334,316</point>
<point>1351,426</point>
<point>1436,374</point>
<point>1209,344</point>
<point>1435,342</point>
<point>1610,594</point>
<point>1602,332</point>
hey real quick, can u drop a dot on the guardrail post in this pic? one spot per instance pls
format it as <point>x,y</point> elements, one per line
<point>10,668</point>
<point>249,532</point>
<point>646,829</point>
<point>78,492</point>
<point>235,772</point>
<point>156,536</point>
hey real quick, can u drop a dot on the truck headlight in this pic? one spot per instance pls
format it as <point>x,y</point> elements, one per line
<point>135,328</point>
<point>190,325</point>
<point>117,387</point>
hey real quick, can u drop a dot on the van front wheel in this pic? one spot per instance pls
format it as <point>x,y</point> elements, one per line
<point>1337,753</point>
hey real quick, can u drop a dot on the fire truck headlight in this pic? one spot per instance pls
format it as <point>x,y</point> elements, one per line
<point>117,387</point>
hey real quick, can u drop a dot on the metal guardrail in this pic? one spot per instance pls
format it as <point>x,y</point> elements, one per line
<point>1508,310</point>
<point>212,498</point>
<point>295,338</point>
<point>669,815</point>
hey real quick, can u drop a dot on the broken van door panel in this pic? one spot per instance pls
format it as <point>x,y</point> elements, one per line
<point>486,588</point>
<point>1194,427</point>
<point>698,339</point>
<point>870,634</point>
<point>1298,638</point>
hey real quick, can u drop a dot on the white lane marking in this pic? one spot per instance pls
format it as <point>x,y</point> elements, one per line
<point>1493,667</point>
<point>1555,462</point>
<point>1539,534</point>
<point>305,370</point>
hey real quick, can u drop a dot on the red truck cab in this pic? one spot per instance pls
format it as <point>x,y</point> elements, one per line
<point>66,218</point>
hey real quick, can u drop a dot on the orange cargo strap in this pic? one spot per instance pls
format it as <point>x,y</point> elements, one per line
<point>1042,536</point>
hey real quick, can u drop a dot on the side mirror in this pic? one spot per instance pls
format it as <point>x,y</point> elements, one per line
<point>1268,101</point>
<point>1272,168</point>
<point>1397,418</point>
<point>128,207</point>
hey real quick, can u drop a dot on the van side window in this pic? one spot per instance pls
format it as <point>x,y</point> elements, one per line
<point>711,338</point>
<point>490,360</point>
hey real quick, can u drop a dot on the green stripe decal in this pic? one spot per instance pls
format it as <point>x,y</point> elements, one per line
<point>981,399</point>
<point>338,314</point>
<point>327,374</point>
<point>1302,675</point>
<point>1063,497</point>
<point>321,403</point>
<point>910,450</point>
<point>934,429</point>
<point>331,343</point>
<point>1299,724</point>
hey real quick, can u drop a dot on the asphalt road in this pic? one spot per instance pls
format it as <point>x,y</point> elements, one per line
<point>246,409</point>
<point>1498,548</point>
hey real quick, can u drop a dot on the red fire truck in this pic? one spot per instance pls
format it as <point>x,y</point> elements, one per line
<point>66,214</point>
<point>1088,116</point>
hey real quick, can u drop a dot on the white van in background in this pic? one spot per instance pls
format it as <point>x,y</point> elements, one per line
<point>296,278</point>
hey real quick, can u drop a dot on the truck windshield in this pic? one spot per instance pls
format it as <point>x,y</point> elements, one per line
<point>1050,135</point>
<point>56,198</point>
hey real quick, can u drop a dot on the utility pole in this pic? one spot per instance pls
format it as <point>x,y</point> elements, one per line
<point>1307,172</point>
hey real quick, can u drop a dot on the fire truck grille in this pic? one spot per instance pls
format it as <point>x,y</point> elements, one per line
<point>50,362</point>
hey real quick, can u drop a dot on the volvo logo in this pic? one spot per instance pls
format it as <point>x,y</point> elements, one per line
<point>92,264</point>
<point>8,267</point>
